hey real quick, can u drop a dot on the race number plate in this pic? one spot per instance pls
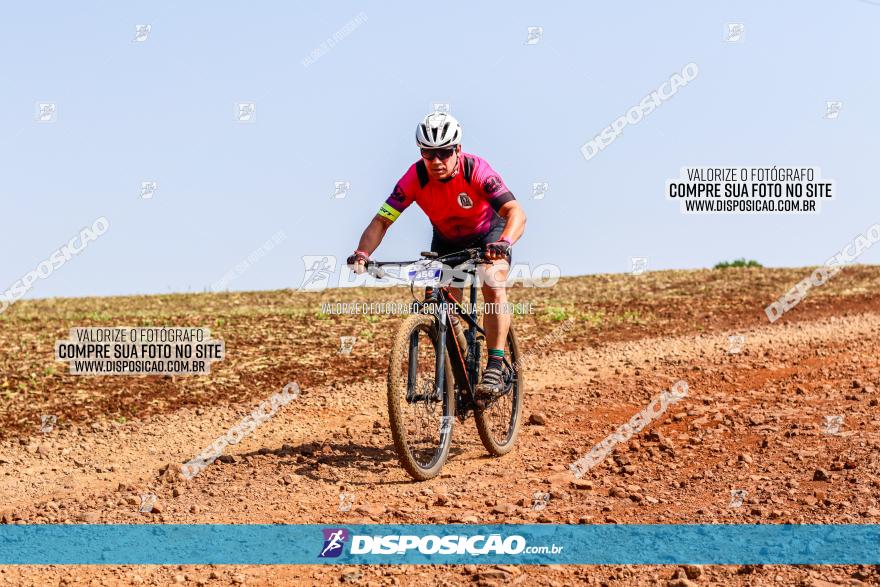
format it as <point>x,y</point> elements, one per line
<point>425,273</point>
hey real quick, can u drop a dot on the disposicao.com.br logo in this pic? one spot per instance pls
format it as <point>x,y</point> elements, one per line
<point>394,544</point>
<point>334,541</point>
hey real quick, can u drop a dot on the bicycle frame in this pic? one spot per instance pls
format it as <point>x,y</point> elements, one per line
<point>465,362</point>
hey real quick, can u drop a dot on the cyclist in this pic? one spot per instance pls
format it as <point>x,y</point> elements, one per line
<point>468,206</point>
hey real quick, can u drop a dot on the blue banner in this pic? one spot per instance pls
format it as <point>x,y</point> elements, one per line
<point>167,544</point>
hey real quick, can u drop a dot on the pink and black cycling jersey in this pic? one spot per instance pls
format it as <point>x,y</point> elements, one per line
<point>460,208</point>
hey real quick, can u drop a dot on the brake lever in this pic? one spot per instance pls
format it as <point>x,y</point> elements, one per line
<point>376,271</point>
<point>482,259</point>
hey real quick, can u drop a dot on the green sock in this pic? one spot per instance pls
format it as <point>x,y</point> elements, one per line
<point>496,357</point>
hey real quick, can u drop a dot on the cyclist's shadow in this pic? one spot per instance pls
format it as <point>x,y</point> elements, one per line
<point>307,458</point>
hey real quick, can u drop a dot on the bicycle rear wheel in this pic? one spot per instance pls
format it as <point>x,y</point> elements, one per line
<point>498,423</point>
<point>421,422</point>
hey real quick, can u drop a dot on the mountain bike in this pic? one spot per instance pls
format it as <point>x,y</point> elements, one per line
<point>433,370</point>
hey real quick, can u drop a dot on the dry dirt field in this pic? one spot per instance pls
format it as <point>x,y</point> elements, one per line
<point>753,421</point>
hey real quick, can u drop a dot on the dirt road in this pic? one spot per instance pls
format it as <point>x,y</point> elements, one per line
<point>762,421</point>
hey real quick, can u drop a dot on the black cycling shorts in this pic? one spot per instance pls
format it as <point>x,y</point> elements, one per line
<point>442,246</point>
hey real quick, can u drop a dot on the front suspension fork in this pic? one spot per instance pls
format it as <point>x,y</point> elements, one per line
<point>439,362</point>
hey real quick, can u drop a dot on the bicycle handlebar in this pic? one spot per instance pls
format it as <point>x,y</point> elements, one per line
<point>473,254</point>
<point>478,254</point>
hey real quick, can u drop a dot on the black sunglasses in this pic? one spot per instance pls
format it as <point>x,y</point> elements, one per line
<point>442,154</point>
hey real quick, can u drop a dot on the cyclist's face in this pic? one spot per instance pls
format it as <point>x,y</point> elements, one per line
<point>438,168</point>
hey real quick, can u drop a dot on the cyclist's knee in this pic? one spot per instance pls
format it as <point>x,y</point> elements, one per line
<point>495,276</point>
<point>496,293</point>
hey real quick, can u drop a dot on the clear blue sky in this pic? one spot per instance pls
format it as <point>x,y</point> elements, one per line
<point>163,110</point>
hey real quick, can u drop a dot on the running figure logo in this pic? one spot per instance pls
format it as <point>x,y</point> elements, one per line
<point>318,270</point>
<point>334,540</point>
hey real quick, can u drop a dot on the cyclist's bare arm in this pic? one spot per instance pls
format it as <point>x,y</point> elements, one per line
<point>370,239</point>
<point>516,220</point>
<point>373,234</point>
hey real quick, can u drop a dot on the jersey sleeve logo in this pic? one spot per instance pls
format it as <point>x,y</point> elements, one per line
<point>492,184</point>
<point>465,201</point>
<point>397,195</point>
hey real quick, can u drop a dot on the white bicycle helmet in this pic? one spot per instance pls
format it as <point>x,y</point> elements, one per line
<point>437,131</point>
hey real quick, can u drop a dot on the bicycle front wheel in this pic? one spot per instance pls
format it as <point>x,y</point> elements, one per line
<point>421,419</point>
